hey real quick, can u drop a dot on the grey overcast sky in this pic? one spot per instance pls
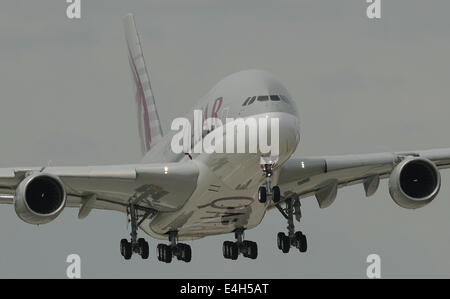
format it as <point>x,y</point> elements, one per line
<point>361,86</point>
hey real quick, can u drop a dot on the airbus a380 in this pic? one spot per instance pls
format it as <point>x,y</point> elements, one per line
<point>185,196</point>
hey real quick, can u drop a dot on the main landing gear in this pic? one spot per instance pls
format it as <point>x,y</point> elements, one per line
<point>263,191</point>
<point>293,238</point>
<point>135,245</point>
<point>231,250</point>
<point>181,251</point>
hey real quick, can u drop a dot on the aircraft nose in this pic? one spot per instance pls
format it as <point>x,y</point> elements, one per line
<point>282,134</point>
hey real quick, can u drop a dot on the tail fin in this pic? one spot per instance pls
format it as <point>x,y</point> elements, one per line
<point>150,130</point>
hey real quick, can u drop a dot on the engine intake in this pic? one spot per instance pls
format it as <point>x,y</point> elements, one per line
<point>414,183</point>
<point>40,198</point>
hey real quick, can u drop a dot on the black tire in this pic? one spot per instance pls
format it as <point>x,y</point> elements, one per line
<point>285,244</point>
<point>163,253</point>
<point>127,250</point>
<point>186,253</point>
<point>226,249</point>
<point>276,194</point>
<point>253,254</point>
<point>159,252</point>
<point>123,243</point>
<point>262,194</point>
<point>143,245</point>
<point>302,242</point>
<point>167,253</point>
<point>180,251</point>
<point>234,251</point>
<point>246,244</point>
<point>280,237</point>
<point>251,249</point>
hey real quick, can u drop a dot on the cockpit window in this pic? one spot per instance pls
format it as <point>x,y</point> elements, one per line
<point>275,98</point>
<point>263,98</point>
<point>284,98</point>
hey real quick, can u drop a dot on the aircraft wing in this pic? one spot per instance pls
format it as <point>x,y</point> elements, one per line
<point>156,187</point>
<point>322,176</point>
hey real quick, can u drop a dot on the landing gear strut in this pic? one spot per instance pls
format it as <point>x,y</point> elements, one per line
<point>181,251</point>
<point>231,250</point>
<point>263,191</point>
<point>135,245</point>
<point>293,238</point>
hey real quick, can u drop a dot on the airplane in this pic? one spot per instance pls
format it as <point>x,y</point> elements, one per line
<point>186,196</point>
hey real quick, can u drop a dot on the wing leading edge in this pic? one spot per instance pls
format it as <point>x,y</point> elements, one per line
<point>160,187</point>
<point>322,176</point>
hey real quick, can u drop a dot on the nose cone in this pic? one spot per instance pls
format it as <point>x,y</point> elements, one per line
<point>283,135</point>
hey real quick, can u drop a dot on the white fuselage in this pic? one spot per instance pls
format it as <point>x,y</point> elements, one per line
<point>226,193</point>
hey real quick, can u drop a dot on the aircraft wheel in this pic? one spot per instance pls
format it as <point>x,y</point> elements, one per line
<point>167,253</point>
<point>164,253</point>
<point>262,194</point>
<point>301,241</point>
<point>280,237</point>
<point>122,246</point>
<point>251,249</point>
<point>285,244</point>
<point>234,251</point>
<point>226,249</point>
<point>158,252</point>
<point>144,249</point>
<point>125,249</point>
<point>185,252</point>
<point>276,194</point>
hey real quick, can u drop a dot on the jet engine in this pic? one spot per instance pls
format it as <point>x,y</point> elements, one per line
<point>414,183</point>
<point>39,198</point>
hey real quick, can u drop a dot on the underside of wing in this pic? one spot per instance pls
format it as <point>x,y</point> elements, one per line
<point>414,178</point>
<point>150,187</point>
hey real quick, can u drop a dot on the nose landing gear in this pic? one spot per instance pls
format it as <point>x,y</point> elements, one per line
<point>263,191</point>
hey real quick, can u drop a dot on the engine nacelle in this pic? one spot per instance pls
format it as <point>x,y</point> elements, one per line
<point>414,183</point>
<point>40,198</point>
